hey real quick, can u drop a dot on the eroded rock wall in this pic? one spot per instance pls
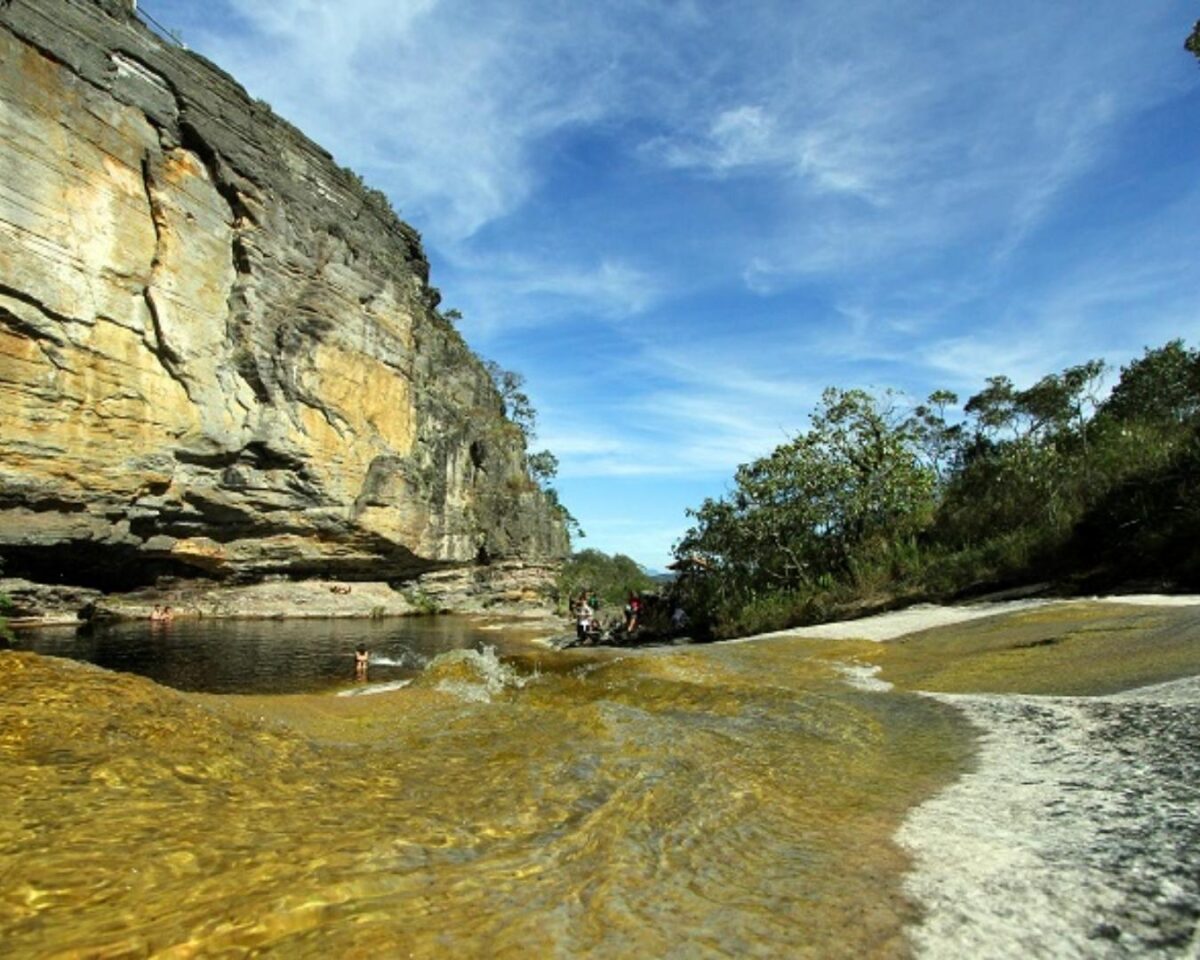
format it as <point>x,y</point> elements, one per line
<point>218,353</point>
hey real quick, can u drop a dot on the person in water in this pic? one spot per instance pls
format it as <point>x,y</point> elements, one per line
<point>361,659</point>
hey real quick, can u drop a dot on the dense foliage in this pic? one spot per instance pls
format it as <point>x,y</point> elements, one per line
<point>874,503</point>
<point>610,579</point>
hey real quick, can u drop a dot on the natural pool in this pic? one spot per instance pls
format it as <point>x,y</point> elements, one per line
<point>733,801</point>
<point>267,656</point>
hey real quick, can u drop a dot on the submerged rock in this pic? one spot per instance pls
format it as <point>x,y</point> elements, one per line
<point>219,353</point>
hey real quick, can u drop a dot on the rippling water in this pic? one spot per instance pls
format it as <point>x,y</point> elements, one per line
<point>718,801</point>
<point>263,656</point>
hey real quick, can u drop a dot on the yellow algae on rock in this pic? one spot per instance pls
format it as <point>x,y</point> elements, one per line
<point>1063,649</point>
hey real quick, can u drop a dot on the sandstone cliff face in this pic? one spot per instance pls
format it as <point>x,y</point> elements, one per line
<point>218,354</point>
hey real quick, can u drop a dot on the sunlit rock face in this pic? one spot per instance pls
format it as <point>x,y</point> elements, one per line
<point>218,354</point>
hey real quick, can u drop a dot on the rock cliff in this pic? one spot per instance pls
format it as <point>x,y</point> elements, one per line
<point>219,354</point>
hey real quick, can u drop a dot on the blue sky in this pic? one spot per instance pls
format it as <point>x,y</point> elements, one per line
<point>682,220</point>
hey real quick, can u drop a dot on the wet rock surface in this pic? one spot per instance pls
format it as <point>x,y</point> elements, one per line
<point>1078,835</point>
<point>219,353</point>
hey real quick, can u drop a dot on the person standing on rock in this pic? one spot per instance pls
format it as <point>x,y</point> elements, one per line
<point>632,609</point>
<point>583,619</point>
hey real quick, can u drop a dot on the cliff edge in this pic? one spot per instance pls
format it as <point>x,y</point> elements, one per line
<point>219,353</point>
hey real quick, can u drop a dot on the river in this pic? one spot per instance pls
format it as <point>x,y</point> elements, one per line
<point>728,800</point>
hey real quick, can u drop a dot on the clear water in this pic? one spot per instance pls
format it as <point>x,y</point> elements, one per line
<point>733,800</point>
<point>263,656</point>
<point>730,801</point>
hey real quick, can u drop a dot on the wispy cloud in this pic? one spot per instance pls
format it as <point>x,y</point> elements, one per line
<point>442,103</point>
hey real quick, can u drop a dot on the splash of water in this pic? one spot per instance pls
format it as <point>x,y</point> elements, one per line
<point>404,660</point>
<point>475,676</point>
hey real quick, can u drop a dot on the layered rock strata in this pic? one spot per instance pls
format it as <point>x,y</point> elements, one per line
<point>219,354</point>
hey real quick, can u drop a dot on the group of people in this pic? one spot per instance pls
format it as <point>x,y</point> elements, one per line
<point>642,615</point>
<point>586,609</point>
<point>161,614</point>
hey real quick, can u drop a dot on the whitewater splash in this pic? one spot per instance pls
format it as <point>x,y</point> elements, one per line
<point>372,688</point>
<point>404,660</point>
<point>471,675</point>
<point>863,676</point>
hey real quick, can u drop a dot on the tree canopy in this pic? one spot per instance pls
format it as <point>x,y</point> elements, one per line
<point>1045,481</point>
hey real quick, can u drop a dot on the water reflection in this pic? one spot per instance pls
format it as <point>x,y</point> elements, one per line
<point>263,656</point>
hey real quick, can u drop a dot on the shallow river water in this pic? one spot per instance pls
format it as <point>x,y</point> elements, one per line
<point>719,801</point>
<point>734,800</point>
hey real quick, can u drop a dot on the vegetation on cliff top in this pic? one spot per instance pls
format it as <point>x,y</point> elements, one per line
<point>877,503</point>
<point>542,465</point>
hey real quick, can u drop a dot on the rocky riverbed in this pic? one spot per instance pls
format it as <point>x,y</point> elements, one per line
<point>1077,831</point>
<point>1013,782</point>
<point>1076,835</point>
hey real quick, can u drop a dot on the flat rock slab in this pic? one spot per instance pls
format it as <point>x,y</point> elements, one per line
<point>1077,835</point>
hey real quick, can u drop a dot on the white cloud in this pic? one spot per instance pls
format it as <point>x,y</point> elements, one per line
<point>884,130</point>
<point>610,287</point>
<point>441,103</point>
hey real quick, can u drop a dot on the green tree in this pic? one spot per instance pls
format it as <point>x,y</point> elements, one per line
<point>1161,387</point>
<point>517,405</point>
<point>845,491</point>
<point>611,578</point>
<point>1055,404</point>
<point>938,441</point>
<point>1192,43</point>
<point>543,466</point>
